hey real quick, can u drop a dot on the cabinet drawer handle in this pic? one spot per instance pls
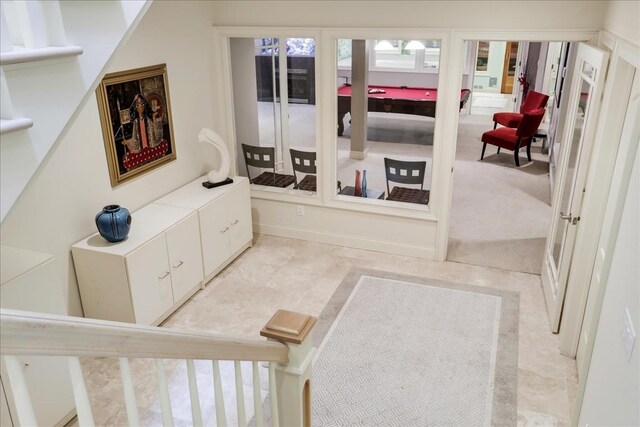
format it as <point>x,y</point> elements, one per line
<point>235,222</point>
<point>179,264</point>
<point>165,275</point>
<point>224,230</point>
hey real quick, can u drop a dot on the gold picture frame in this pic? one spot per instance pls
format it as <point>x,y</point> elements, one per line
<point>137,127</point>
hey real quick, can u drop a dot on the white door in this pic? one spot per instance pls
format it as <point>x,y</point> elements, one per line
<point>575,151</point>
<point>214,229</point>
<point>185,256</point>
<point>240,226</point>
<point>150,281</point>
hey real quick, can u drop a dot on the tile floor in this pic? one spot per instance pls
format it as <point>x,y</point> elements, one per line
<point>301,276</point>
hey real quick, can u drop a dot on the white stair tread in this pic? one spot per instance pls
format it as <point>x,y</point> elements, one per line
<point>20,55</point>
<point>14,125</point>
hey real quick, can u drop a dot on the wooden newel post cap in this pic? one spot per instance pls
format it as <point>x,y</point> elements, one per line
<point>288,326</point>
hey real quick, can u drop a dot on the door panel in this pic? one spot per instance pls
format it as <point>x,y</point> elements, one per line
<point>575,154</point>
<point>150,281</point>
<point>241,229</point>
<point>214,226</point>
<point>185,256</point>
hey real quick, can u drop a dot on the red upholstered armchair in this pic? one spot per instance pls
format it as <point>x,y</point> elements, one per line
<point>533,101</point>
<point>514,139</point>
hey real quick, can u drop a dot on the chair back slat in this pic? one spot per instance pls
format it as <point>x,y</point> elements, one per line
<point>129,392</point>
<point>259,157</point>
<point>303,161</point>
<point>404,172</point>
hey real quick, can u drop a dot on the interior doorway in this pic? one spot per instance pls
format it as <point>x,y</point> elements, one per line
<point>501,212</point>
<point>509,67</point>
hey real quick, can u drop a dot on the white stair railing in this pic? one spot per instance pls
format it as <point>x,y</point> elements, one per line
<point>36,334</point>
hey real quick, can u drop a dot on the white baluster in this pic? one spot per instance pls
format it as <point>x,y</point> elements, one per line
<point>257,397</point>
<point>129,392</point>
<point>32,24</point>
<point>26,416</point>
<point>273,395</point>
<point>12,22</point>
<point>55,25</point>
<point>221,416</point>
<point>242,414</point>
<point>196,414</point>
<point>165,401</point>
<point>5,38</point>
<point>80,395</point>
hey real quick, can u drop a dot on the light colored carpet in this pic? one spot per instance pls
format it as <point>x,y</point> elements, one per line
<point>406,351</point>
<point>500,213</point>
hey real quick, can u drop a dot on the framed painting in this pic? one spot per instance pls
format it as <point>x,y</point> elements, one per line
<point>135,113</point>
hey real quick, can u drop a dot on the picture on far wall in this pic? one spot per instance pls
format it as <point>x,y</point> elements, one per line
<point>135,113</point>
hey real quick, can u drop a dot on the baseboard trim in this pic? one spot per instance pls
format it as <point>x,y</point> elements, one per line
<point>346,240</point>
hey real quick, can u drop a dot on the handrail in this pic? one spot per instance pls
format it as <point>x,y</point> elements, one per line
<point>38,334</point>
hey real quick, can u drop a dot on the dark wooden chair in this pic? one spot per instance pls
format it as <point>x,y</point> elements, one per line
<point>264,157</point>
<point>304,162</point>
<point>514,139</point>
<point>404,172</point>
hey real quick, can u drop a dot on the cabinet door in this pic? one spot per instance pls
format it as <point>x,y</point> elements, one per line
<point>185,256</point>
<point>214,229</point>
<point>150,280</point>
<point>241,228</point>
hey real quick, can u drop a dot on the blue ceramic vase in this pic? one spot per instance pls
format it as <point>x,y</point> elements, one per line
<point>113,223</point>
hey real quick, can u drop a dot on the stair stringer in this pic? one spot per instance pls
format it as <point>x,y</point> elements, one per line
<point>52,92</point>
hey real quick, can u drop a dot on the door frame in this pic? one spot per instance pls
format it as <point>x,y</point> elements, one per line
<point>555,274</point>
<point>625,59</point>
<point>451,113</point>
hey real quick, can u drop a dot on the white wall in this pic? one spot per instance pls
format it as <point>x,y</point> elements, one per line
<point>487,15</point>
<point>495,67</point>
<point>613,384</point>
<point>59,206</point>
<point>622,19</point>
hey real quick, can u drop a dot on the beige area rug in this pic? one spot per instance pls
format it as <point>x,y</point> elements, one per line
<point>399,350</point>
<point>500,214</point>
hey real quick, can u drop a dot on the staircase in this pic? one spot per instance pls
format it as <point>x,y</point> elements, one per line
<point>52,57</point>
<point>288,355</point>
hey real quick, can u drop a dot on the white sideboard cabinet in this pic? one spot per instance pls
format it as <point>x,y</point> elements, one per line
<point>176,244</point>
<point>225,219</point>
<point>145,277</point>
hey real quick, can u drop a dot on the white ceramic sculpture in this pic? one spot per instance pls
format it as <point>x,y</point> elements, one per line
<point>215,176</point>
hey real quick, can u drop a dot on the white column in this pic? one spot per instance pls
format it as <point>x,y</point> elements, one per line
<point>293,379</point>
<point>359,98</point>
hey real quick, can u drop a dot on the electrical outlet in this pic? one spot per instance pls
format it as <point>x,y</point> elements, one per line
<point>628,334</point>
<point>300,210</point>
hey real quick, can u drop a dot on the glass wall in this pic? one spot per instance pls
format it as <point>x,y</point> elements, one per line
<point>275,111</point>
<point>386,103</point>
